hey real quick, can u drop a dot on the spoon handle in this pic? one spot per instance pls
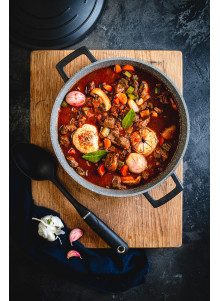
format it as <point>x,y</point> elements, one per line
<point>108,235</point>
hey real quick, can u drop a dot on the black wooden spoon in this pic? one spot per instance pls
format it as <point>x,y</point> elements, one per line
<point>37,164</point>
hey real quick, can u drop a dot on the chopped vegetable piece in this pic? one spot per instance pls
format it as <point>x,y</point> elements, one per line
<point>75,98</point>
<point>122,98</point>
<point>107,143</point>
<point>118,68</point>
<point>64,104</point>
<point>128,74</point>
<point>108,88</point>
<point>95,156</point>
<point>124,170</point>
<point>105,132</point>
<point>157,91</point>
<point>72,151</point>
<point>128,119</point>
<point>169,132</point>
<point>132,104</point>
<point>116,100</point>
<point>145,113</point>
<point>130,180</point>
<point>166,146</point>
<point>135,77</point>
<point>154,114</point>
<point>101,170</point>
<point>173,104</point>
<point>161,140</point>
<point>132,96</point>
<point>130,90</point>
<point>139,101</point>
<point>128,68</point>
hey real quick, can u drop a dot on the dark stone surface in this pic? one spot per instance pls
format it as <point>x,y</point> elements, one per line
<point>175,274</point>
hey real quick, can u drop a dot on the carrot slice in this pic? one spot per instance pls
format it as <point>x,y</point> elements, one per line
<point>118,68</point>
<point>161,140</point>
<point>107,88</point>
<point>72,151</point>
<point>101,170</point>
<point>107,143</point>
<point>154,114</point>
<point>124,170</point>
<point>116,101</point>
<point>128,68</point>
<point>122,98</point>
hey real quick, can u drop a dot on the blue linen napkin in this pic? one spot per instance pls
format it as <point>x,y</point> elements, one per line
<point>100,268</point>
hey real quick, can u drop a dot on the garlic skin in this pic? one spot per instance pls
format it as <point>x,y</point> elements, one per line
<point>75,234</point>
<point>50,227</point>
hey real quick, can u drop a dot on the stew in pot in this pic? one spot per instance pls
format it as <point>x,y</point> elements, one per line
<point>119,127</point>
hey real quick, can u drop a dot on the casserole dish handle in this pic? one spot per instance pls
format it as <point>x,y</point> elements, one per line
<point>71,57</point>
<point>169,196</point>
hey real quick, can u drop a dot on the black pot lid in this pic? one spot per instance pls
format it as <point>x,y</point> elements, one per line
<point>52,24</point>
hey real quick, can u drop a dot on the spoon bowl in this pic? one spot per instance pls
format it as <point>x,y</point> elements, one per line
<point>34,162</point>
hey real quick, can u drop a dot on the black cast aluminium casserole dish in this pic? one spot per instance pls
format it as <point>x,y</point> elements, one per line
<point>184,126</point>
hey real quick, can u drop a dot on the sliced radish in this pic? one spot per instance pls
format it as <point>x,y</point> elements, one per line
<point>75,98</point>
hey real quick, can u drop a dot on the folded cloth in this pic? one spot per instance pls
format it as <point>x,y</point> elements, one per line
<point>100,268</point>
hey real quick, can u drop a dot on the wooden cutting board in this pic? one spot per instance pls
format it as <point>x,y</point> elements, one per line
<point>133,218</point>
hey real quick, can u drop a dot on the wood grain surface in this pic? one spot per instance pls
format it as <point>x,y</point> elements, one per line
<point>133,218</point>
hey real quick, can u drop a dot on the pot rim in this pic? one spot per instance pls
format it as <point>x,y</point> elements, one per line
<point>184,125</point>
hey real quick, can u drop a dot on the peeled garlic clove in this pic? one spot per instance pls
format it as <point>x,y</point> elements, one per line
<point>75,234</point>
<point>73,253</point>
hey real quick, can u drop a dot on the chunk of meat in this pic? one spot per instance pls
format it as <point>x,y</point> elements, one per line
<point>64,140</point>
<point>123,155</point>
<point>143,90</point>
<point>81,172</point>
<point>121,85</point>
<point>160,153</point>
<point>136,163</point>
<point>72,161</point>
<point>143,123</point>
<point>134,83</point>
<point>114,111</point>
<point>64,129</point>
<point>120,164</point>
<point>150,105</point>
<point>124,143</point>
<point>144,106</point>
<point>164,97</point>
<point>89,87</point>
<point>111,162</point>
<point>158,110</point>
<point>116,183</point>
<point>145,174</point>
<point>109,122</point>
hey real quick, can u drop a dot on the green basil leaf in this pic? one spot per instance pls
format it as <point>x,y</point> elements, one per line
<point>128,119</point>
<point>95,156</point>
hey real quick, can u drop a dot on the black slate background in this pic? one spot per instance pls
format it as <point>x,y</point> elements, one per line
<point>175,274</point>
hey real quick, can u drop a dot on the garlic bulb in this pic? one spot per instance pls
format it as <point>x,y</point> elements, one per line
<point>50,227</point>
